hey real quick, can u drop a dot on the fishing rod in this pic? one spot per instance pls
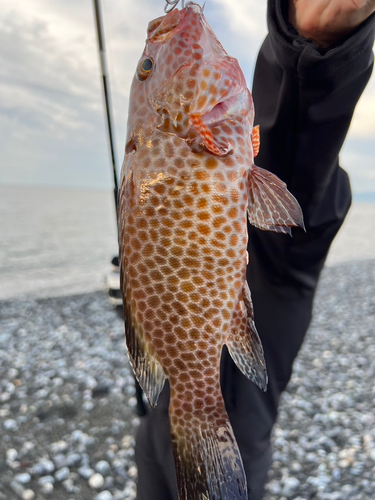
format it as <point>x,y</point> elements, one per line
<point>141,407</point>
<point>103,64</point>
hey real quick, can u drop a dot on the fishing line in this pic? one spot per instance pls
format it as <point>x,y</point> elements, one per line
<point>171,4</point>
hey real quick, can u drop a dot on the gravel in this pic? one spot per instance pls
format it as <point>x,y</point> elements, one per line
<point>324,441</point>
<point>67,420</point>
<point>67,400</point>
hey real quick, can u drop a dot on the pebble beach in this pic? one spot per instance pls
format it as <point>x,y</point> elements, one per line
<point>67,419</point>
<point>324,441</point>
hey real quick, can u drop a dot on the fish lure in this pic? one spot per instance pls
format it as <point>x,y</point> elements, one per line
<point>188,186</point>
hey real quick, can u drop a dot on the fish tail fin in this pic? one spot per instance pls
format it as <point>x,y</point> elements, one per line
<point>271,206</point>
<point>207,459</point>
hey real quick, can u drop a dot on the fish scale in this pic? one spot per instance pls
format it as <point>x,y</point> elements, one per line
<point>185,257</point>
<point>188,184</point>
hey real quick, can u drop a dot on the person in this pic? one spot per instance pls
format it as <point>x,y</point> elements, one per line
<point>310,73</point>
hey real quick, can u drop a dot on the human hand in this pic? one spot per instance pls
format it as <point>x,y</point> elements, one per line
<point>328,21</point>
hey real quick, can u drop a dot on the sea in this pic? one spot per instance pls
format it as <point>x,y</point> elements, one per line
<point>60,241</point>
<point>55,241</point>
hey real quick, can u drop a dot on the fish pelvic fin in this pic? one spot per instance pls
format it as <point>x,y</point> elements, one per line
<point>271,206</point>
<point>244,344</point>
<point>207,459</point>
<point>146,367</point>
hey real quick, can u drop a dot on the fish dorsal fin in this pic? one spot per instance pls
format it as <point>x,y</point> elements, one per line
<point>147,369</point>
<point>244,344</point>
<point>256,140</point>
<point>271,206</point>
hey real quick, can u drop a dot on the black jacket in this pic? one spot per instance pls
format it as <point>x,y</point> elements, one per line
<point>304,101</point>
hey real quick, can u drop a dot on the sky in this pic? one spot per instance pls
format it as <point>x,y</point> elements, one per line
<point>52,121</point>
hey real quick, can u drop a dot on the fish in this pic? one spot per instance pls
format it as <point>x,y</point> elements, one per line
<point>188,185</point>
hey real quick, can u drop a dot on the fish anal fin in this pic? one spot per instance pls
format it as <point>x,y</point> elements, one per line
<point>244,344</point>
<point>271,206</point>
<point>147,369</point>
<point>256,140</point>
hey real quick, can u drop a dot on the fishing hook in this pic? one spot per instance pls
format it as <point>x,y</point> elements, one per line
<point>172,4</point>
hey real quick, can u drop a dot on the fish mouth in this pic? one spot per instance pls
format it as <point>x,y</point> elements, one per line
<point>162,29</point>
<point>223,110</point>
<point>217,114</point>
<point>231,109</point>
<point>205,124</point>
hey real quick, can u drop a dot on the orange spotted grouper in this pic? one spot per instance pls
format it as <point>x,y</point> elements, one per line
<point>188,184</point>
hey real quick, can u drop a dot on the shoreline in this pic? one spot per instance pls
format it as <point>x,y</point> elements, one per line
<point>85,287</point>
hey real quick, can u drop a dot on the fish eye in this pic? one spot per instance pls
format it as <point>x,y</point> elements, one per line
<point>145,67</point>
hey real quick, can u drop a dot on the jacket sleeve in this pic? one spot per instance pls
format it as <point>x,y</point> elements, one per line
<point>304,101</point>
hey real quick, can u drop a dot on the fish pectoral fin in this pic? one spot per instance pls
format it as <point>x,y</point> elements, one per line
<point>207,137</point>
<point>256,140</point>
<point>244,344</point>
<point>271,206</point>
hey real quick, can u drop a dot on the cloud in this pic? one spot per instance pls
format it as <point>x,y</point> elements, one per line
<point>52,122</point>
<point>245,18</point>
<point>363,124</point>
<point>51,106</point>
<point>241,27</point>
<point>360,166</point>
<point>48,87</point>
